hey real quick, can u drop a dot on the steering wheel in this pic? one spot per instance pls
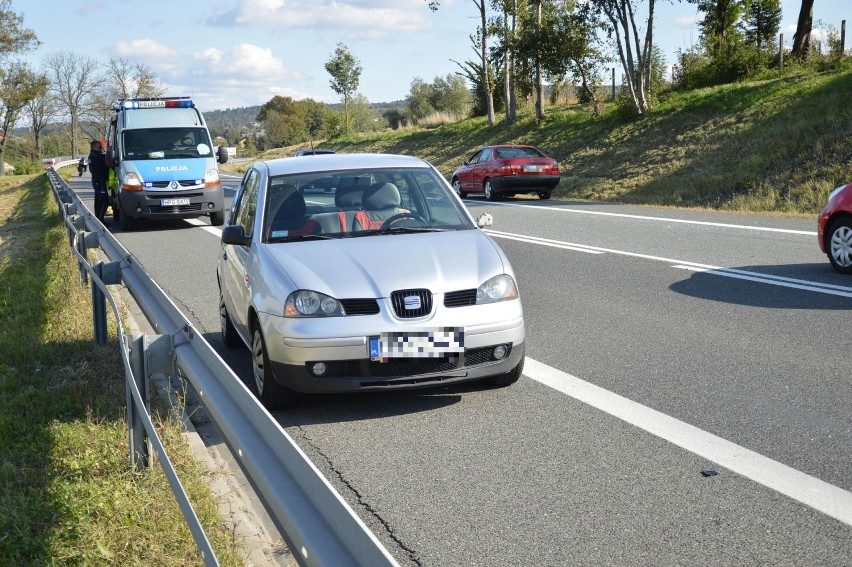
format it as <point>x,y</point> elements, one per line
<point>400,216</point>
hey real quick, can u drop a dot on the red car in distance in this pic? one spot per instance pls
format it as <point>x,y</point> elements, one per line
<point>835,229</point>
<point>505,170</point>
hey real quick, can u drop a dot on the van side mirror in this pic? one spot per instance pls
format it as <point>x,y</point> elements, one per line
<point>485,220</point>
<point>222,154</point>
<point>110,158</point>
<point>234,234</point>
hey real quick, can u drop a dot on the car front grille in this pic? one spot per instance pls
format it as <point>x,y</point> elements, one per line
<point>360,306</point>
<point>460,298</point>
<point>408,303</point>
<point>409,367</point>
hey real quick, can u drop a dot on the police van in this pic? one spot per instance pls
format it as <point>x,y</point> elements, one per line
<point>163,162</point>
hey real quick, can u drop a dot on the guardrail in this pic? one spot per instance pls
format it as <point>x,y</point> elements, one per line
<point>317,524</point>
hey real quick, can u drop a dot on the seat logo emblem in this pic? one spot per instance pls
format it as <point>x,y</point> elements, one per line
<point>173,184</point>
<point>411,302</point>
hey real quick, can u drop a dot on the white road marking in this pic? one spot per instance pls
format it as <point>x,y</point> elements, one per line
<point>214,230</point>
<point>811,491</point>
<point>660,219</point>
<point>807,285</point>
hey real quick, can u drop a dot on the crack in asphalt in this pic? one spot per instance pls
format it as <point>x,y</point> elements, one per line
<point>412,554</point>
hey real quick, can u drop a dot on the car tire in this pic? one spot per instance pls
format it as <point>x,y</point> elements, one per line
<point>488,189</point>
<point>229,332</point>
<point>457,188</point>
<point>839,245</point>
<point>217,218</point>
<point>507,378</point>
<point>271,394</point>
<point>127,223</point>
<point>544,195</point>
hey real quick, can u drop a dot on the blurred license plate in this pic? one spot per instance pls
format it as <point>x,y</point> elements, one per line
<point>429,343</point>
<point>532,168</point>
<point>173,202</point>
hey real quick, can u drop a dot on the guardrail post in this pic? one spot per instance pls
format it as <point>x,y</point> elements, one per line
<point>82,250</point>
<point>99,307</point>
<point>140,445</point>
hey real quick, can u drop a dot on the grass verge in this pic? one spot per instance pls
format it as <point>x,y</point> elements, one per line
<point>69,496</point>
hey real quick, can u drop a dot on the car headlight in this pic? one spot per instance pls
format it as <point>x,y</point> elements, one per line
<point>835,192</point>
<point>498,288</point>
<point>307,303</point>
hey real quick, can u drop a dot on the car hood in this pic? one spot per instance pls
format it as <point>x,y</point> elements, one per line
<point>375,266</point>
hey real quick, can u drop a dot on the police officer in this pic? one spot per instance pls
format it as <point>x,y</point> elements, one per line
<point>98,169</point>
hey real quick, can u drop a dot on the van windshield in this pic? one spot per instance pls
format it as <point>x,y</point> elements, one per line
<point>166,143</point>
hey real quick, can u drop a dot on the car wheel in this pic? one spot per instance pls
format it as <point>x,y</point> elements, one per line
<point>217,218</point>
<point>229,332</point>
<point>127,223</point>
<point>490,194</point>
<point>271,394</point>
<point>840,245</point>
<point>508,378</point>
<point>544,195</point>
<point>457,188</point>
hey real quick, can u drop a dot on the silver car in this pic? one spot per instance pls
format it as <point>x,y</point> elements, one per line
<point>384,282</point>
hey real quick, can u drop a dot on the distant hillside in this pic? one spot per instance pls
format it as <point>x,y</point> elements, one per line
<point>773,145</point>
<point>219,121</point>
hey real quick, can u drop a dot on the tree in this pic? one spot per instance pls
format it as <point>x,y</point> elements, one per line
<point>762,22</point>
<point>74,82</point>
<point>802,37</point>
<point>634,54</point>
<point>365,118</point>
<point>419,99</point>
<point>451,95</point>
<point>40,110</point>
<point>14,38</point>
<point>718,28</point>
<point>481,40</point>
<point>132,80</point>
<point>18,85</point>
<point>345,71</point>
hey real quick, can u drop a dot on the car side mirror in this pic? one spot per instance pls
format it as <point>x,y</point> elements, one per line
<point>485,220</point>
<point>110,159</point>
<point>234,234</point>
<point>222,154</point>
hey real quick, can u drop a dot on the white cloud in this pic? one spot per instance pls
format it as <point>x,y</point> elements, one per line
<point>688,21</point>
<point>365,18</point>
<point>143,50</point>
<point>243,60</point>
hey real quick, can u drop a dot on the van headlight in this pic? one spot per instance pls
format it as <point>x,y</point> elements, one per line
<point>132,179</point>
<point>498,288</point>
<point>211,177</point>
<point>307,303</point>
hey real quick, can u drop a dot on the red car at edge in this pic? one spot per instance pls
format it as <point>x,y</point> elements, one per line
<point>835,229</point>
<point>505,170</point>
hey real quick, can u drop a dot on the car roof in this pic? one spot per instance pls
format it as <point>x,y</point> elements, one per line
<point>334,162</point>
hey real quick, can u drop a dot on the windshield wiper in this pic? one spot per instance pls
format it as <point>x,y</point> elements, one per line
<point>403,229</point>
<point>302,237</point>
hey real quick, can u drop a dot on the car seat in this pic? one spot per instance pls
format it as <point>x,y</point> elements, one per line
<point>289,219</point>
<point>381,202</point>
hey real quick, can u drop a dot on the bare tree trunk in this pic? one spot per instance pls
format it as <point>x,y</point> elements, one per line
<point>507,65</point>
<point>513,97</point>
<point>486,81</point>
<point>539,84</point>
<point>802,38</point>
<point>636,70</point>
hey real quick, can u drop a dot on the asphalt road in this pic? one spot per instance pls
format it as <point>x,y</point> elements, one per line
<point>686,399</point>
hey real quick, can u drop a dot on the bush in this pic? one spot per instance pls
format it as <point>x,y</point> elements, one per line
<point>25,166</point>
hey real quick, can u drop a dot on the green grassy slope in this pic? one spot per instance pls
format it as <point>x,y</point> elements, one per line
<point>775,145</point>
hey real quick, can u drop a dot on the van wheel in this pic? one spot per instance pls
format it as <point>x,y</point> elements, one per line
<point>544,195</point>
<point>127,223</point>
<point>217,218</point>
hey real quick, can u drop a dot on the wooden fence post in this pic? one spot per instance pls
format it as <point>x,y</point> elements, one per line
<point>613,83</point>
<point>843,38</point>
<point>781,52</point>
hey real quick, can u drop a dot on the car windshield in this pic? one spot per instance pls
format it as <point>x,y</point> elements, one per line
<point>361,202</point>
<point>510,153</point>
<point>166,143</point>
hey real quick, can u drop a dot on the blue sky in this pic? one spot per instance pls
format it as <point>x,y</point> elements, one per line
<point>233,53</point>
